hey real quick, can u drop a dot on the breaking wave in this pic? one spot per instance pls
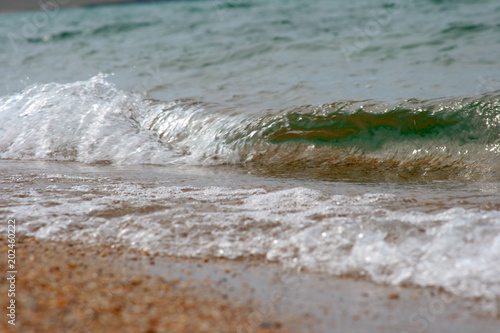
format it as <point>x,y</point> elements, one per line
<point>94,122</point>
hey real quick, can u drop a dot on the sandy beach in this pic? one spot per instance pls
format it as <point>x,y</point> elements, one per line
<point>69,287</point>
<point>73,288</point>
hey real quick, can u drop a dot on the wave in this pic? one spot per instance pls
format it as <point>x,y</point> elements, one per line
<point>93,122</point>
<point>106,29</point>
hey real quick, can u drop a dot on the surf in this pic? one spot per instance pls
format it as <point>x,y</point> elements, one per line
<point>93,121</point>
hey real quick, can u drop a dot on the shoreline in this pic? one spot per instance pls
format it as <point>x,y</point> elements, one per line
<point>83,288</point>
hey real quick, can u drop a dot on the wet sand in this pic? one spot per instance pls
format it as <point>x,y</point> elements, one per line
<point>74,288</point>
<point>68,287</point>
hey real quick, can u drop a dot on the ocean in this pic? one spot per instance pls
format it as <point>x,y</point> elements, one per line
<point>356,139</point>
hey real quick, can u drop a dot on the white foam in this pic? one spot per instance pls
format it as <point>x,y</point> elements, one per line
<point>85,121</point>
<point>455,248</point>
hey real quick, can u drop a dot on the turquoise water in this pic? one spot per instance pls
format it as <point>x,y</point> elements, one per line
<point>358,139</point>
<point>260,54</point>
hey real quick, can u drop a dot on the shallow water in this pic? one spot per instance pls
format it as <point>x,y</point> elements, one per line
<point>441,234</point>
<point>271,130</point>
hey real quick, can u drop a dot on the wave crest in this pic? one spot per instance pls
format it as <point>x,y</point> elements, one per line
<point>92,121</point>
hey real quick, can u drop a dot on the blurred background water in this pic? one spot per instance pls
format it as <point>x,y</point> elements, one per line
<point>262,53</point>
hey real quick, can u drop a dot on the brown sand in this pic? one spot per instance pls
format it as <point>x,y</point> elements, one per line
<point>69,287</point>
<point>72,288</point>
